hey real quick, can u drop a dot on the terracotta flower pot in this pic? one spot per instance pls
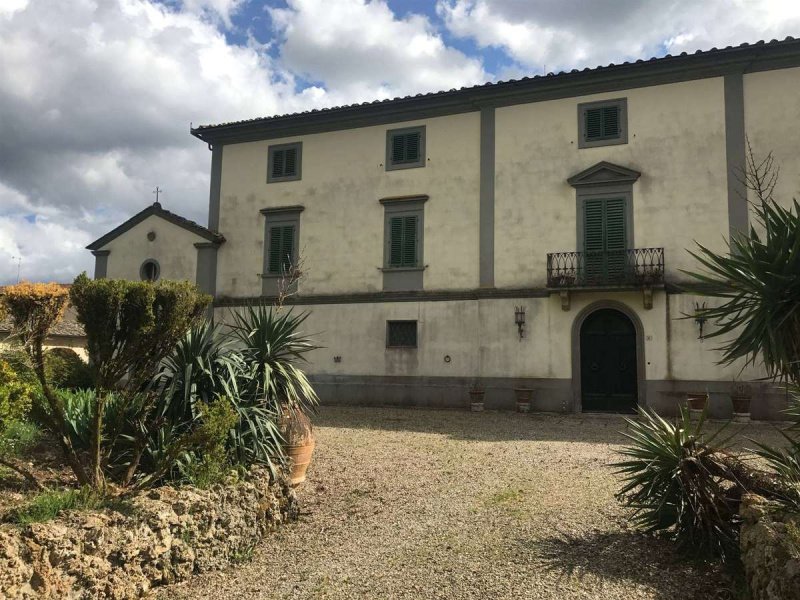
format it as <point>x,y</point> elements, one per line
<point>524,396</point>
<point>298,433</point>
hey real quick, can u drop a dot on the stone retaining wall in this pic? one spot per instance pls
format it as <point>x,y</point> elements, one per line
<point>770,545</point>
<point>168,535</point>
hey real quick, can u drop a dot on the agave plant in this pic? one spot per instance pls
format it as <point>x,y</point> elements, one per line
<point>759,280</point>
<point>683,482</point>
<point>671,486</point>
<point>273,347</point>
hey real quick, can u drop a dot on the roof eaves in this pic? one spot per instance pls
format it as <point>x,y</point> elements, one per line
<point>157,210</point>
<point>640,73</point>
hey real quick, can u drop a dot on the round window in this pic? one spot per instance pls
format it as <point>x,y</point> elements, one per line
<point>149,270</point>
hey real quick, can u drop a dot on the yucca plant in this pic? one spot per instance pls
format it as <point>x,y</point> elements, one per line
<point>273,347</point>
<point>670,487</point>
<point>759,282</point>
<point>682,482</point>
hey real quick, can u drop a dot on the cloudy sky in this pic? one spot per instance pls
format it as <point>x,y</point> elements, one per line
<point>97,96</point>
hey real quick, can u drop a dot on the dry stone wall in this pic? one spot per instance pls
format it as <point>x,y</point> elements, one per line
<point>167,535</point>
<point>770,545</point>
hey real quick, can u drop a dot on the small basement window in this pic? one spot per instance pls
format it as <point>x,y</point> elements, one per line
<point>284,162</point>
<point>405,148</point>
<point>401,334</point>
<point>602,123</point>
<point>150,270</point>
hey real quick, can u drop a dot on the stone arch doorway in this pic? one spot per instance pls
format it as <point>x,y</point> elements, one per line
<point>608,359</point>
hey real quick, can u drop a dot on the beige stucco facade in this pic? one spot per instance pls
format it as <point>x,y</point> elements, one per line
<point>341,238</point>
<point>172,247</point>
<point>499,187</point>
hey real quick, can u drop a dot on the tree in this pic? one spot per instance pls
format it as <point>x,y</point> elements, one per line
<point>34,309</point>
<point>130,328</point>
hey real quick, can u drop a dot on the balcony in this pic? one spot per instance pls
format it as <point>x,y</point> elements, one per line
<point>637,268</point>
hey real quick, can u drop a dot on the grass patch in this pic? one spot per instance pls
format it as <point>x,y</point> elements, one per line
<point>48,505</point>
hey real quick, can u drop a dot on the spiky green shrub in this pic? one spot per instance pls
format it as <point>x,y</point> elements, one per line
<point>759,282</point>
<point>274,348</point>
<point>681,482</point>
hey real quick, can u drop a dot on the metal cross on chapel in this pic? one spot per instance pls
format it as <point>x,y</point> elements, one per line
<point>158,191</point>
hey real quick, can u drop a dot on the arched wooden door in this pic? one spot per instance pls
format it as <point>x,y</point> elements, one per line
<point>608,362</point>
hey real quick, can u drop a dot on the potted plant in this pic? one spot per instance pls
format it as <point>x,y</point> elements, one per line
<point>697,402</point>
<point>524,396</point>
<point>740,396</point>
<point>476,394</point>
<point>299,442</point>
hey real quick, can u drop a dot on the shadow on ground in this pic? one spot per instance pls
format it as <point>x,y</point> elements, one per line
<point>632,557</point>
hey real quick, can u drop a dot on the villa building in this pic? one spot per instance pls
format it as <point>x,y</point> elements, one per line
<point>523,233</point>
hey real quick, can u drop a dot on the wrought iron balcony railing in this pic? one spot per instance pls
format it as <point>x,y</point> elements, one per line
<point>640,267</point>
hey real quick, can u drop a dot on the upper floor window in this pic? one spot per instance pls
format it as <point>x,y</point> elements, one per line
<point>405,148</point>
<point>284,162</point>
<point>602,123</point>
<point>404,225</point>
<point>281,249</point>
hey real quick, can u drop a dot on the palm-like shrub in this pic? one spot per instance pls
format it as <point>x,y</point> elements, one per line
<point>672,488</point>
<point>684,483</point>
<point>273,347</point>
<point>759,281</point>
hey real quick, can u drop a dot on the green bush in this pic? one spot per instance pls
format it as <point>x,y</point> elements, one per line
<point>64,368</point>
<point>16,395</point>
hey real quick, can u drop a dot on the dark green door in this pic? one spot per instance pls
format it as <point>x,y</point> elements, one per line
<point>608,362</point>
<point>604,240</point>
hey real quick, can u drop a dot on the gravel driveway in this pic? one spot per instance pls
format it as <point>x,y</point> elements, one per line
<point>435,504</point>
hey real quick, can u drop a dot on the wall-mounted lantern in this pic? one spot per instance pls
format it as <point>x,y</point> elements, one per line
<point>700,318</point>
<point>519,319</point>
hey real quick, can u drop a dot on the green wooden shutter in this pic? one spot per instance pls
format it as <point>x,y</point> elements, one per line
<point>410,241</point>
<point>278,160</point>
<point>602,123</point>
<point>610,122</point>
<point>605,240</point>
<point>403,241</point>
<point>398,149</point>
<point>396,241</point>
<point>406,147</point>
<point>281,248</point>
<point>593,245</point>
<point>615,237</point>
<point>290,162</point>
<point>275,245</point>
<point>594,123</point>
<point>412,147</point>
<point>287,248</point>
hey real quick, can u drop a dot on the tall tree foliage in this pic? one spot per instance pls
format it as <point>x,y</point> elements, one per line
<point>34,308</point>
<point>130,328</point>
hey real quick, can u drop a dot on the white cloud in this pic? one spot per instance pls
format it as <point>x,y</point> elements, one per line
<point>361,47</point>
<point>95,105</point>
<point>565,34</point>
<point>215,9</point>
